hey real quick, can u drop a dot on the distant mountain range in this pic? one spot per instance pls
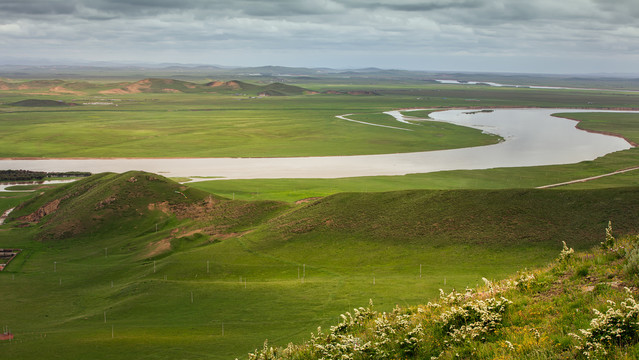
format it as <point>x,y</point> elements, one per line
<point>157,85</point>
<point>281,74</point>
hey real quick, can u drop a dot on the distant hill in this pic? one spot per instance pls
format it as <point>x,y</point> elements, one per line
<point>156,86</point>
<point>167,85</point>
<point>280,89</point>
<point>110,71</point>
<point>52,86</point>
<point>233,86</point>
<point>28,85</point>
<point>40,103</point>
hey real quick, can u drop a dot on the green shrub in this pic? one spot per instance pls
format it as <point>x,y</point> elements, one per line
<point>582,271</point>
<point>631,267</point>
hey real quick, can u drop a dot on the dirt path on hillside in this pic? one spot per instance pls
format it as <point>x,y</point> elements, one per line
<point>588,179</point>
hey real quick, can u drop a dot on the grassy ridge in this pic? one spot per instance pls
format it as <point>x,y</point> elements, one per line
<point>580,306</point>
<point>461,217</point>
<point>266,270</point>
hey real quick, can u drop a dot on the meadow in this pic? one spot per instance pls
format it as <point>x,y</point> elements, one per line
<point>151,269</point>
<point>230,123</point>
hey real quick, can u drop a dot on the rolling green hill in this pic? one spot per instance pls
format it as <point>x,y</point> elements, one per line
<point>467,217</point>
<point>123,266</point>
<point>130,204</point>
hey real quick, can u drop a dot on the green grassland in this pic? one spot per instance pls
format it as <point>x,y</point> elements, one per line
<point>217,133</point>
<point>261,269</point>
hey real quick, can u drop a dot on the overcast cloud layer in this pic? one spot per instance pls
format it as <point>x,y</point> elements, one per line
<point>550,36</point>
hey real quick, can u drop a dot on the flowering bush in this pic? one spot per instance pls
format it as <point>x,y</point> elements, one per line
<point>618,325</point>
<point>358,318</point>
<point>411,341</point>
<point>525,282</point>
<point>267,353</point>
<point>455,297</point>
<point>609,242</point>
<point>473,319</point>
<point>566,253</point>
<point>390,334</point>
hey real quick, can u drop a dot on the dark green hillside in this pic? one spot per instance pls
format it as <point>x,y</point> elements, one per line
<point>233,86</point>
<point>40,103</point>
<point>465,217</point>
<point>154,85</point>
<point>279,89</point>
<point>274,89</point>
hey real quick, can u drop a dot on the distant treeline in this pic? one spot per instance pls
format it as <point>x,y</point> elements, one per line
<point>26,175</point>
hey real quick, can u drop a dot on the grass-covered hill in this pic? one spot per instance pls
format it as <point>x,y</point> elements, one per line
<point>132,204</point>
<point>134,265</point>
<point>489,218</point>
<point>580,306</point>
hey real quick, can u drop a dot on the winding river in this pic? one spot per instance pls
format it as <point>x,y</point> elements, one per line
<point>532,137</point>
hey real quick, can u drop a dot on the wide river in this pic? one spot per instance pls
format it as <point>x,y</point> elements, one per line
<point>532,137</point>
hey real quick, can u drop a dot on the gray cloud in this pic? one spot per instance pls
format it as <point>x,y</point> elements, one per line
<point>309,30</point>
<point>420,6</point>
<point>36,7</point>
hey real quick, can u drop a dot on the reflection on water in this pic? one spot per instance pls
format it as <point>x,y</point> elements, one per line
<point>5,187</point>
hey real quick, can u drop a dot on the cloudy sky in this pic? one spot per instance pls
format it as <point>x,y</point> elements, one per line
<point>537,36</point>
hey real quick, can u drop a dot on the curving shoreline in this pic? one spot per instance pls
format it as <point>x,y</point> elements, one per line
<point>532,137</point>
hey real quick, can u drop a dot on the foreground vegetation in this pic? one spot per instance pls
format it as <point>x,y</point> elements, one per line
<point>580,306</point>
